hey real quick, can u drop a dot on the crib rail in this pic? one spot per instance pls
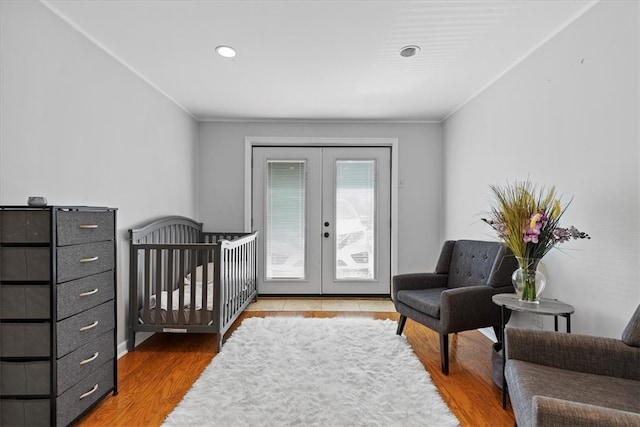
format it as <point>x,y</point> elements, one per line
<point>216,236</point>
<point>238,275</point>
<point>163,270</point>
<point>171,229</point>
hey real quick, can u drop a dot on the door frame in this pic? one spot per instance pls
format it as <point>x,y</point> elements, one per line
<point>251,141</point>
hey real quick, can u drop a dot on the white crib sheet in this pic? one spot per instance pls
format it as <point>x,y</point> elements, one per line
<point>175,303</point>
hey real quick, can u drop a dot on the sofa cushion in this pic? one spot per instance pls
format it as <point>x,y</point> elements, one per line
<point>423,300</point>
<point>557,412</point>
<point>631,334</point>
<point>527,380</point>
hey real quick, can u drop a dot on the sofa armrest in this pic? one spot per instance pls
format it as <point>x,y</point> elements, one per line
<point>414,281</point>
<point>580,353</point>
<point>549,411</point>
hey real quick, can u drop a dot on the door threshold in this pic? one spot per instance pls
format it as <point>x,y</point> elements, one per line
<point>306,303</point>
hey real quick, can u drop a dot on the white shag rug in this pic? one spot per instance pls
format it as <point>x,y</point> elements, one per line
<point>293,371</point>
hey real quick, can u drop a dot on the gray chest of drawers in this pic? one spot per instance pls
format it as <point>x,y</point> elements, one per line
<point>57,313</point>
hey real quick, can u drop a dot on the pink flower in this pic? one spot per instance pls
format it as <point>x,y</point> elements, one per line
<point>532,236</point>
<point>532,231</point>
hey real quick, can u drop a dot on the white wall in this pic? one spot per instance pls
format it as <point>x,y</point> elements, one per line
<point>75,126</point>
<point>80,128</point>
<point>221,167</point>
<point>565,116</point>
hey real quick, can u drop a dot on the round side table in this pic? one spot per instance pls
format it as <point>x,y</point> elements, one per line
<point>545,307</point>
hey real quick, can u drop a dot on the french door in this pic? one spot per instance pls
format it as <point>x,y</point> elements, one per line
<point>324,219</point>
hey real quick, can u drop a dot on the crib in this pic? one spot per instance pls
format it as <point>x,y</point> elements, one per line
<point>185,280</point>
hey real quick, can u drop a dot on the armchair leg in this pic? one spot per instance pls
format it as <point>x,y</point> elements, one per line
<point>444,353</point>
<point>498,332</point>
<point>401,321</point>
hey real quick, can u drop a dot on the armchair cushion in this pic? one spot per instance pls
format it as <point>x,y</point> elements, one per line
<point>424,300</point>
<point>531,380</point>
<point>557,412</point>
<point>416,281</point>
<point>471,263</point>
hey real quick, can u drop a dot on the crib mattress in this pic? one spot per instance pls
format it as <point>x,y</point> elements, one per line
<point>175,296</point>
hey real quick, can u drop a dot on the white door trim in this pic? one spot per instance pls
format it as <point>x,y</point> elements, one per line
<point>251,141</point>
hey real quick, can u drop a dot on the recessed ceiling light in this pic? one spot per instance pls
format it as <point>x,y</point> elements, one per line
<point>410,50</point>
<point>226,51</point>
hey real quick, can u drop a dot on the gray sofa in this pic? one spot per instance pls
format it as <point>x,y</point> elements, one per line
<point>559,379</point>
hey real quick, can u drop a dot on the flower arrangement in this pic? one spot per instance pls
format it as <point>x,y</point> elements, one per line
<point>527,220</point>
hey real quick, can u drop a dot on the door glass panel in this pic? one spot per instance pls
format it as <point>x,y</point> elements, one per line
<point>355,219</point>
<point>285,220</point>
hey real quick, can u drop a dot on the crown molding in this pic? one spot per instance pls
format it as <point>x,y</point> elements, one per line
<point>109,52</point>
<point>328,121</point>
<point>528,53</point>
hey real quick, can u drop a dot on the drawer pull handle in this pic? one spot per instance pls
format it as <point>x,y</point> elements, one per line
<point>91,326</point>
<point>95,258</point>
<point>86,294</point>
<point>91,359</point>
<point>89,393</point>
<point>89,226</point>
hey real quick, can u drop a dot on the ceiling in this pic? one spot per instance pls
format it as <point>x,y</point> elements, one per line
<point>319,60</point>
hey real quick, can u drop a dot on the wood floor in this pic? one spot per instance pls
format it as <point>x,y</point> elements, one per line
<point>155,377</point>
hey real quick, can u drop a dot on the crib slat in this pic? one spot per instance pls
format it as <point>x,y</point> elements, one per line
<point>192,294</point>
<point>158,288</point>
<point>182,261</point>
<point>147,286</point>
<point>170,284</point>
<point>205,286</point>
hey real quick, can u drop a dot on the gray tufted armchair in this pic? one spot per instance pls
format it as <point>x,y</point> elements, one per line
<point>457,296</point>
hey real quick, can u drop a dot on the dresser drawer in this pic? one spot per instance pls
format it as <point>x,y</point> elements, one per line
<point>80,397</point>
<point>25,226</point>
<point>79,261</point>
<point>25,412</point>
<point>25,339</point>
<point>22,264</point>
<point>26,301</point>
<point>82,328</point>
<point>25,378</point>
<point>79,295</point>
<point>85,360</point>
<point>76,227</point>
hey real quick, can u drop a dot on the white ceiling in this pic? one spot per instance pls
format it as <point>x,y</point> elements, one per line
<point>319,60</point>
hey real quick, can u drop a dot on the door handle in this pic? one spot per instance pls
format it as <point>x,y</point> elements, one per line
<point>326,234</point>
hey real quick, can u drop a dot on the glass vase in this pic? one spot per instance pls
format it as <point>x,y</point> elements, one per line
<point>528,281</point>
